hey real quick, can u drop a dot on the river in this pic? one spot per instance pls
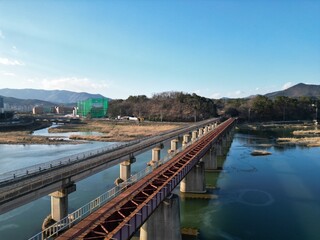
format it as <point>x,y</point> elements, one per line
<point>262,197</point>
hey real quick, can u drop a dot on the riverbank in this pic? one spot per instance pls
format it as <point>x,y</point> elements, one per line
<point>115,131</point>
<point>25,137</point>
<point>110,132</point>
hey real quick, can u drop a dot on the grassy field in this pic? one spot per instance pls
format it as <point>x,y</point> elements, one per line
<point>110,132</point>
<point>116,131</point>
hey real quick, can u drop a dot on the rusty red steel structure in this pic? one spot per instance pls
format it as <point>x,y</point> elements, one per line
<point>124,215</point>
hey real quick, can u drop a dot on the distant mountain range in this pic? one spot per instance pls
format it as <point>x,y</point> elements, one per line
<point>299,90</point>
<point>25,99</point>
<point>34,102</point>
<point>52,96</point>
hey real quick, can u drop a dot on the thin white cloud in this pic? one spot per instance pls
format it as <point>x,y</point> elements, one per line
<point>1,34</point>
<point>14,49</point>
<point>216,95</point>
<point>75,84</point>
<point>9,74</point>
<point>238,92</point>
<point>197,92</point>
<point>286,85</point>
<point>10,62</point>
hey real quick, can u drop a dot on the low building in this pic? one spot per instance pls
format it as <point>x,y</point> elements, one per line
<point>64,110</point>
<point>37,110</point>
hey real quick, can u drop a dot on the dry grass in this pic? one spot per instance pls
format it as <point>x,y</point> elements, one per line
<point>112,132</point>
<point>306,132</point>
<point>125,133</point>
<point>115,132</point>
<point>306,141</point>
<point>311,138</point>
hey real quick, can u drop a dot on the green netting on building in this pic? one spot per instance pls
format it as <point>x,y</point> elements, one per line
<point>93,107</point>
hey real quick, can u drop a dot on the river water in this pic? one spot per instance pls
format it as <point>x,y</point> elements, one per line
<point>262,197</point>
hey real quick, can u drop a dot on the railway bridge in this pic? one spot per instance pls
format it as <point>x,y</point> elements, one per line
<point>148,204</point>
<point>135,197</point>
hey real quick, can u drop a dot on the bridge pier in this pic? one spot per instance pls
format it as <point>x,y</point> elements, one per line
<point>210,160</point>
<point>185,140</point>
<point>205,131</point>
<point>155,156</point>
<point>173,146</point>
<point>194,136</point>
<point>200,130</point>
<point>59,202</point>
<point>195,181</point>
<point>164,223</point>
<point>125,168</point>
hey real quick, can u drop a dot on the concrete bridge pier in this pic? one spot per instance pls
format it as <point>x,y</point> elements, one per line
<point>125,168</point>
<point>164,223</point>
<point>210,160</point>
<point>185,140</point>
<point>205,131</point>
<point>59,202</point>
<point>155,157</point>
<point>200,132</point>
<point>173,146</point>
<point>194,136</point>
<point>195,181</point>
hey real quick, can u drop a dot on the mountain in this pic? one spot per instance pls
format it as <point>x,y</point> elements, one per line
<point>23,105</point>
<point>298,90</point>
<point>54,96</point>
<point>34,102</point>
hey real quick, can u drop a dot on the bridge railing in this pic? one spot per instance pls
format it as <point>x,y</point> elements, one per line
<point>76,216</point>
<point>41,167</point>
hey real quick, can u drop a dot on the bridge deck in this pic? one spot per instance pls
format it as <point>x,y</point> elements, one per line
<point>121,217</point>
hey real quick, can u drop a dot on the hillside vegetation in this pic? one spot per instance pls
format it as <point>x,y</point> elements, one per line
<point>166,106</point>
<point>262,108</point>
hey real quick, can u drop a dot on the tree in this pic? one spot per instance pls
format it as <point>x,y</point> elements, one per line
<point>262,108</point>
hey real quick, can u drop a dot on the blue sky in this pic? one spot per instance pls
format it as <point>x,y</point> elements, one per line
<point>119,48</point>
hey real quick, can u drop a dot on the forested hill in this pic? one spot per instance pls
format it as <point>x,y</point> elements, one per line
<point>299,90</point>
<point>167,106</point>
